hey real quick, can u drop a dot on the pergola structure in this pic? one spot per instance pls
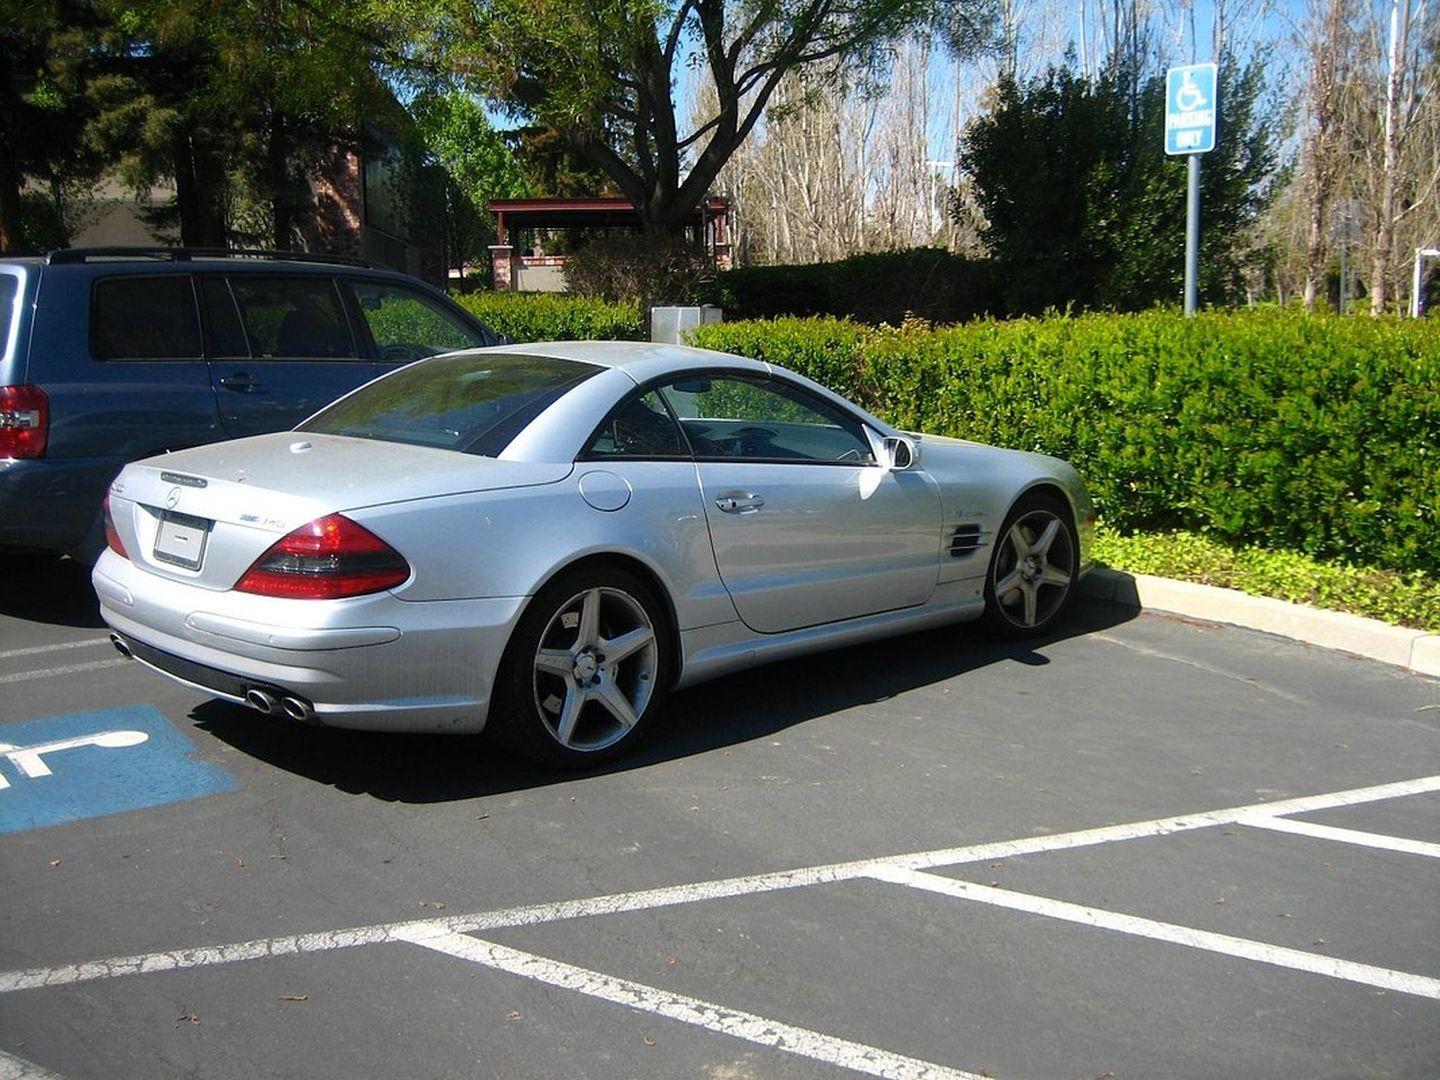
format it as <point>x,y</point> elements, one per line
<point>536,271</point>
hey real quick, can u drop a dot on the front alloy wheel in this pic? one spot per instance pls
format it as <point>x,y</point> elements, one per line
<point>1032,570</point>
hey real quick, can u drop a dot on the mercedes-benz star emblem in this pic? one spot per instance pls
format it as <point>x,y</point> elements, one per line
<point>172,499</point>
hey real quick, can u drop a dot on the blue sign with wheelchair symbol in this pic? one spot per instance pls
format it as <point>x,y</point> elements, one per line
<point>1191,109</point>
<point>65,768</point>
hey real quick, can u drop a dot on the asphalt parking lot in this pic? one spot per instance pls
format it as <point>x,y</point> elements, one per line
<point>1142,848</point>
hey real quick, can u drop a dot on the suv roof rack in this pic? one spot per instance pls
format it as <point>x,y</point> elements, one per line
<point>186,254</point>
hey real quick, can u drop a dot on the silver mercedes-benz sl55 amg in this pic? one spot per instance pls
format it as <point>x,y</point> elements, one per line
<point>554,536</point>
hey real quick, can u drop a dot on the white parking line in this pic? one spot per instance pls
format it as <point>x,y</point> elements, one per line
<point>35,650</point>
<point>17,1068</point>
<point>1369,975</point>
<point>647,899</point>
<point>1345,836</point>
<point>67,669</point>
<point>801,1042</point>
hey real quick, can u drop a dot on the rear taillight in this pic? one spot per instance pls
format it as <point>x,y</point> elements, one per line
<point>24,421</point>
<point>112,538</point>
<point>329,558</point>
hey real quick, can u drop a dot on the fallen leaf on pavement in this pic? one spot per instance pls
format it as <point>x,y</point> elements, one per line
<point>294,997</point>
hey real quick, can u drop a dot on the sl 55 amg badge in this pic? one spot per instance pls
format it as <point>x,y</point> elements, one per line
<point>183,480</point>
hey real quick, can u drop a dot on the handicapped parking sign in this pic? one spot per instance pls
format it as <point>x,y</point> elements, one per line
<point>65,768</point>
<point>1191,109</point>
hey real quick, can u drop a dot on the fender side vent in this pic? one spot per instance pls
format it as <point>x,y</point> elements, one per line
<point>965,541</point>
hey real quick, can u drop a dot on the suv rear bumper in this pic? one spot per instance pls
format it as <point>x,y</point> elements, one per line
<point>52,503</point>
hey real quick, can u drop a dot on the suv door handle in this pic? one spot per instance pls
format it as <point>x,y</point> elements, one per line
<point>746,503</point>
<point>241,381</point>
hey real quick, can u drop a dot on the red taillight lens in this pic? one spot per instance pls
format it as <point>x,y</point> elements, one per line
<point>329,558</point>
<point>112,538</point>
<point>24,421</point>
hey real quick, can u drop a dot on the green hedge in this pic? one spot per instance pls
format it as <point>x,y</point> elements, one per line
<point>884,287</point>
<point>1313,434</point>
<point>553,316</point>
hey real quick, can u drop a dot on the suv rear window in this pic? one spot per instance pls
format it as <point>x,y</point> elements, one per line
<point>144,318</point>
<point>9,286</point>
<point>472,403</point>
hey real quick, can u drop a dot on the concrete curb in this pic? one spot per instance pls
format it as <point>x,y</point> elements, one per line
<point>1414,650</point>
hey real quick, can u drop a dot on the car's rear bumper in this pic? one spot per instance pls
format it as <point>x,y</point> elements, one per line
<point>371,662</point>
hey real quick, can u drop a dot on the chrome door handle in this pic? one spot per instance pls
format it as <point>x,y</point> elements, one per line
<point>740,504</point>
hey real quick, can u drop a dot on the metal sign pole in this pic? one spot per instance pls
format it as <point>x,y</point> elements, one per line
<point>1192,234</point>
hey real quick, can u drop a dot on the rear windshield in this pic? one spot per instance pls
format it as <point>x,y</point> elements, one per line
<point>472,403</point>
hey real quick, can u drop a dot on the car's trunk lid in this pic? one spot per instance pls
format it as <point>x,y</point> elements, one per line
<point>222,506</point>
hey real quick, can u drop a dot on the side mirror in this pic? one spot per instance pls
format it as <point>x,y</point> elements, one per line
<point>901,453</point>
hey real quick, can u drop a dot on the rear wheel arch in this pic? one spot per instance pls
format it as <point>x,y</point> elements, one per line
<point>639,568</point>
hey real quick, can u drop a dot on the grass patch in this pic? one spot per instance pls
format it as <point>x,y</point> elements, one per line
<point>1403,599</point>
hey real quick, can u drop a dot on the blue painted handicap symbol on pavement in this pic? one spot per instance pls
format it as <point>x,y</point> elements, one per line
<point>65,768</point>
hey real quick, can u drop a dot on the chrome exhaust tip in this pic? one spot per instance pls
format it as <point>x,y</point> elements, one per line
<point>262,701</point>
<point>120,646</point>
<point>298,709</point>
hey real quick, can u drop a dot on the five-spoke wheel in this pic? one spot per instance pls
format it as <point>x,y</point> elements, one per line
<point>586,666</point>
<point>1032,568</point>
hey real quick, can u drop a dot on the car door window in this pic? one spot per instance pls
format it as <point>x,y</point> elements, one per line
<point>293,318</point>
<point>144,318</point>
<point>408,325</point>
<point>640,428</point>
<point>226,335</point>
<point>763,420</point>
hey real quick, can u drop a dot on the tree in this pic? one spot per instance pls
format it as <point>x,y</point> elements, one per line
<point>1083,207</point>
<point>43,71</point>
<point>478,164</point>
<point>602,72</point>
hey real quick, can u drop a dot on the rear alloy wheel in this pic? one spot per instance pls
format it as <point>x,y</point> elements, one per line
<point>1032,569</point>
<point>585,670</point>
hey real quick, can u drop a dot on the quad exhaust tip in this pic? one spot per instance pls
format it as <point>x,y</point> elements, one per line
<point>120,646</point>
<point>298,709</point>
<point>262,701</point>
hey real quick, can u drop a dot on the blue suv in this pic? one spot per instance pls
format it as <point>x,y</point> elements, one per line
<point>108,355</point>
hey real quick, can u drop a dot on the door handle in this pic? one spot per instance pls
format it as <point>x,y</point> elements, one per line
<point>747,503</point>
<point>241,382</point>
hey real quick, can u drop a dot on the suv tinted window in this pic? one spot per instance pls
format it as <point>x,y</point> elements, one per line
<point>293,317</point>
<point>9,286</point>
<point>144,318</point>
<point>408,325</point>
<point>227,336</point>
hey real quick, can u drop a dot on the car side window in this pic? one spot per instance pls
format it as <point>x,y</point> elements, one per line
<point>293,317</point>
<point>144,318</point>
<point>640,428</point>
<point>227,336</point>
<point>764,420</point>
<point>408,325</point>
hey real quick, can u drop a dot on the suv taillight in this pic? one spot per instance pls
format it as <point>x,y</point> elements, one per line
<point>112,538</point>
<point>24,421</point>
<point>330,558</point>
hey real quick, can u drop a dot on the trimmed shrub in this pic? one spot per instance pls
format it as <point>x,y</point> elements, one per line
<point>883,287</point>
<point>624,266</point>
<point>553,316</point>
<point>1313,434</point>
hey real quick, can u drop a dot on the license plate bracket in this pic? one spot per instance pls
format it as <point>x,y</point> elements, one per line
<point>180,540</point>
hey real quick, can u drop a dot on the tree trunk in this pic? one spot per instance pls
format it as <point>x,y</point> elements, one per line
<point>12,229</point>
<point>1385,226</point>
<point>278,180</point>
<point>199,176</point>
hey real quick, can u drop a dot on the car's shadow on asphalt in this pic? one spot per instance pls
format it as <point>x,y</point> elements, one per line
<point>49,589</point>
<point>713,715</point>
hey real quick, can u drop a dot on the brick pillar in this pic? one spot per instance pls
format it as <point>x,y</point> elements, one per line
<point>500,259</point>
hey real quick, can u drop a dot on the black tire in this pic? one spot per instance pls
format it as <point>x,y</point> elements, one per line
<point>531,708</point>
<point>1038,597</point>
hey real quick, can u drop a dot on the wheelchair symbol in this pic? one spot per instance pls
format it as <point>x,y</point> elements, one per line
<point>1189,97</point>
<point>30,761</point>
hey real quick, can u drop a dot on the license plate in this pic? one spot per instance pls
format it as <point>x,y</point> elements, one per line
<point>180,540</point>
